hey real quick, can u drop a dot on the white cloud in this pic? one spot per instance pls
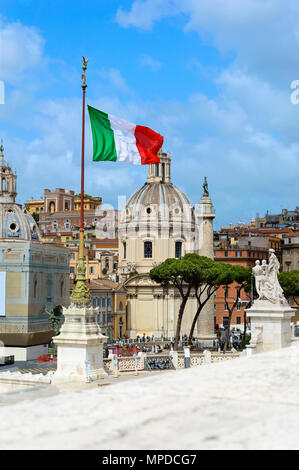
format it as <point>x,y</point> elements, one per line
<point>148,61</point>
<point>144,13</point>
<point>21,49</point>
<point>115,78</point>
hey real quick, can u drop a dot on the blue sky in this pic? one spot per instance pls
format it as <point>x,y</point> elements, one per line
<point>212,76</point>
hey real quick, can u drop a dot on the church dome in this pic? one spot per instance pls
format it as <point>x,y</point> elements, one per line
<point>15,223</point>
<point>158,199</point>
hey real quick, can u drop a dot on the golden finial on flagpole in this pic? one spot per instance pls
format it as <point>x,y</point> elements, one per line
<point>83,76</point>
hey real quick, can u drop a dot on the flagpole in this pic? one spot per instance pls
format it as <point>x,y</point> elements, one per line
<point>81,293</point>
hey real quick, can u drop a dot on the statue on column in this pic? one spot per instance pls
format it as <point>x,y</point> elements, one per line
<point>266,280</point>
<point>205,187</point>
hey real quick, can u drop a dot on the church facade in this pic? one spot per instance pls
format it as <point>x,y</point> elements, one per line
<point>160,222</point>
<point>34,276</point>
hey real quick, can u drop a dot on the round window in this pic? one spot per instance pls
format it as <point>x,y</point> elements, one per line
<point>148,210</point>
<point>13,227</point>
<point>177,211</point>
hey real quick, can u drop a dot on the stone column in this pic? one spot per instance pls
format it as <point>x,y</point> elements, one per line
<point>205,247</point>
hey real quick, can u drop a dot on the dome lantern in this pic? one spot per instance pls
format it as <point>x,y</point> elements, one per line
<point>15,223</point>
<point>160,172</point>
<point>8,180</point>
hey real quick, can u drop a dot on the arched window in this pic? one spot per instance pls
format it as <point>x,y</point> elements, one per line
<point>61,289</point>
<point>52,207</point>
<point>120,307</point>
<point>35,289</point>
<point>157,169</point>
<point>49,290</point>
<point>148,249</point>
<point>163,171</point>
<point>178,249</point>
<point>3,184</point>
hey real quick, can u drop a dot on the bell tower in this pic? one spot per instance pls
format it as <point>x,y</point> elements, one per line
<point>8,180</point>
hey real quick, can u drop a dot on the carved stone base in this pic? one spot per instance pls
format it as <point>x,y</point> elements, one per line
<point>79,346</point>
<point>270,326</point>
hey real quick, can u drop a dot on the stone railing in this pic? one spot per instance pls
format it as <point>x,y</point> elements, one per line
<point>123,364</point>
<point>127,364</point>
<point>202,359</point>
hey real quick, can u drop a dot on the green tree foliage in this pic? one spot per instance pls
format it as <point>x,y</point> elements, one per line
<point>289,281</point>
<point>207,280</point>
<point>180,273</point>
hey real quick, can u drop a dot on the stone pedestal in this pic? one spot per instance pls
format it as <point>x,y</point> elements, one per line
<point>270,326</point>
<point>79,346</point>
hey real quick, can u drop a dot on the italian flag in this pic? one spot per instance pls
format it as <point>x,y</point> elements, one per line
<point>116,140</point>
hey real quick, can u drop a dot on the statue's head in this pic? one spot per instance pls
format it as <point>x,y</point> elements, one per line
<point>271,251</point>
<point>264,262</point>
<point>257,262</point>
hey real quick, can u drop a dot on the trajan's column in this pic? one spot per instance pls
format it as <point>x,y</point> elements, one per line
<point>205,217</point>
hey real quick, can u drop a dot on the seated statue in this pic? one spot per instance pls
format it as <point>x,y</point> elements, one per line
<point>266,280</point>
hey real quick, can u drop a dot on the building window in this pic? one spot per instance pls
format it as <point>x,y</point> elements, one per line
<point>91,270</point>
<point>72,270</point>
<point>163,171</point>
<point>61,289</point>
<point>109,302</point>
<point>226,306</point>
<point>35,289</point>
<point>99,302</point>
<point>157,169</point>
<point>103,302</point>
<point>225,321</point>
<point>148,250</point>
<point>226,254</point>
<point>178,249</point>
<point>94,303</point>
<point>49,290</point>
<point>238,320</point>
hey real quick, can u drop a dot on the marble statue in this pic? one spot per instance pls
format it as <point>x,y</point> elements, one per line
<point>266,280</point>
